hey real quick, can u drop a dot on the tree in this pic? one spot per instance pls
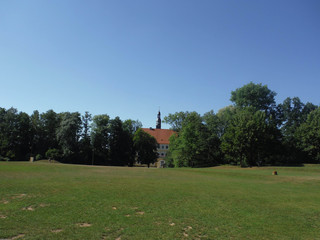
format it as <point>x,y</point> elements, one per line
<point>100,139</point>
<point>119,143</point>
<point>130,127</point>
<point>176,120</point>
<point>225,116</point>
<point>146,147</point>
<point>36,133</point>
<point>191,144</point>
<point>68,135</point>
<point>23,137</point>
<point>213,128</point>
<point>248,139</point>
<point>53,154</point>
<point>309,135</point>
<point>85,141</point>
<point>256,96</point>
<point>14,134</point>
<point>293,113</point>
<point>197,143</point>
<point>50,122</point>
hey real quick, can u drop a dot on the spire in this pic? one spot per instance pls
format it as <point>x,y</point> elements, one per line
<point>158,126</point>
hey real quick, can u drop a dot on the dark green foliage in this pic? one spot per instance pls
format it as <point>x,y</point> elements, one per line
<point>14,134</point>
<point>85,141</point>
<point>53,154</point>
<point>176,120</point>
<point>253,131</point>
<point>68,135</point>
<point>293,113</point>
<point>50,121</point>
<point>39,157</point>
<point>197,143</point>
<point>254,95</point>
<point>309,136</point>
<point>130,127</point>
<point>249,138</point>
<point>146,147</point>
<point>100,139</point>
<point>225,115</point>
<point>120,143</point>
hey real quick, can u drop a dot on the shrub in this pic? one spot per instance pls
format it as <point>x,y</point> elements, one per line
<point>53,154</point>
<point>38,157</point>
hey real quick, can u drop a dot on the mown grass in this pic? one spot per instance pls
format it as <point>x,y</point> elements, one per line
<point>56,201</point>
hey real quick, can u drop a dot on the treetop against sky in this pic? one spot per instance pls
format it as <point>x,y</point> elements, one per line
<point>128,58</point>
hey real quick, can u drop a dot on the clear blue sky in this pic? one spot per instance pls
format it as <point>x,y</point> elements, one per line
<point>126,58</point>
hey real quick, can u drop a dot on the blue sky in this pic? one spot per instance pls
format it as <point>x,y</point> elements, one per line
<point>126,58</point>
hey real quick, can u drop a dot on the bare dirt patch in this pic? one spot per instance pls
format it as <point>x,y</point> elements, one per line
<point>44,205</point>
<point>3,216</point>
<point>17,196</point>
<point>172,224</point>
<point>114,208</point>
<point>188,228</point>
<point>56,230</point>
<point>30,208</point>
<point>17,237</point>
<point>4,201</point>
<point>84,224</point>
<point>140,213</point>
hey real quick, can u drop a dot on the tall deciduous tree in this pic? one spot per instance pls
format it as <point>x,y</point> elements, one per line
<point>119,142</point>
<point>36,133</point>
<point>50,123</point>
<point>176,120</point>
<point>225,116</point>
<point>146,147</point>
<point>293,113</point>
<point>248,138</point>
<point>85,141</point>
<point>68,135</point>
<point>100,139</point>
<point>130,127</point>
<point>197,143</point>
<point>256,96</point>
<point>309,135</point>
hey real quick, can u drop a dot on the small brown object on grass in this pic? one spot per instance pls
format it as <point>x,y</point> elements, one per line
<point>274,173</point>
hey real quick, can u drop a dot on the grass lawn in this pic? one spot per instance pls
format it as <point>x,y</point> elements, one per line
<point>57,201</point>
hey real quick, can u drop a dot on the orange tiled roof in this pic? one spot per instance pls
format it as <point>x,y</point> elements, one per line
<point>161,135</point>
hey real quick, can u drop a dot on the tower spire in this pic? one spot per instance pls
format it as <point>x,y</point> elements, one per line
<point>158,125</point>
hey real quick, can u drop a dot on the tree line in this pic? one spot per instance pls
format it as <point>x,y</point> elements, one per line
<point>253,131</point>
<point>73,138</point>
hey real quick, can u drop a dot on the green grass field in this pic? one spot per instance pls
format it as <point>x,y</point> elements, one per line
<point>57,201</point>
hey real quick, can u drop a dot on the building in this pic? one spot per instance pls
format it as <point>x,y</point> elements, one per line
<point>162,137</point>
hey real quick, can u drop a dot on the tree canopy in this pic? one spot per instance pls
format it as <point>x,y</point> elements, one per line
<point>253,131</point>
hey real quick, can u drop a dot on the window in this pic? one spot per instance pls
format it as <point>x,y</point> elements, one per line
<point>167,147</point>
<point>162,154</point>
<point>162,147</point>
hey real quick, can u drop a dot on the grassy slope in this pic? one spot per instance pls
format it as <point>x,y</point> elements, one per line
<point>141,203</point>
